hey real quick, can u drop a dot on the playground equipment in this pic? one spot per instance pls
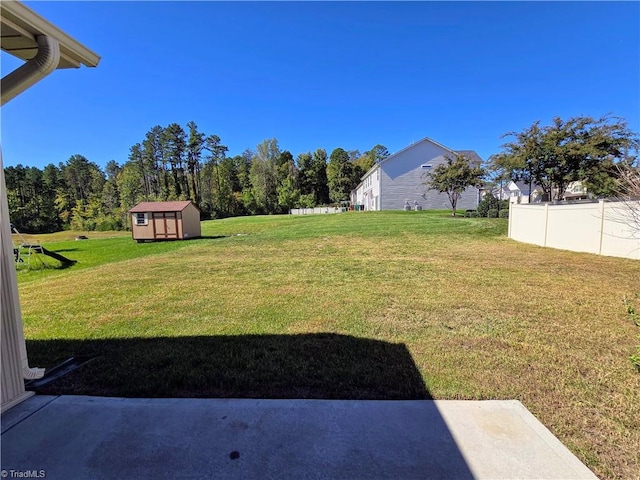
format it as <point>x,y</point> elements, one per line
<point>29,253</point>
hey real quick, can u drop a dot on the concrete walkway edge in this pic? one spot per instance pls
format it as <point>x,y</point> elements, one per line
<point>108,438</point>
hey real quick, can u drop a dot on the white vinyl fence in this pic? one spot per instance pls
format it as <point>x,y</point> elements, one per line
<point>316,210</point>
<point>604,228</point>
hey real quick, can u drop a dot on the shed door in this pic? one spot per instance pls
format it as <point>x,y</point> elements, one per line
<point>166,225</point>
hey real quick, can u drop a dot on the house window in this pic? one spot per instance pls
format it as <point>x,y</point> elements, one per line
<point>141,219</point>
<point>426,165</point>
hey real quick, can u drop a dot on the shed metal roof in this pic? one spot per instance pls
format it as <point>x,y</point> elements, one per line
<point>143,207</point>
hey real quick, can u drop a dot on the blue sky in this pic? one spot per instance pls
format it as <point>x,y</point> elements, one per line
<point>325,75</point>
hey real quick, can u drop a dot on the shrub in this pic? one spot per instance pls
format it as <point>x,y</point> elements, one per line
<point>470,213</point>
<point>492,213</point>
<point>473,214</point>
<point>90,225</point>
<point>504,213</point>
<point>109,223</point>
<point>487,203</point>
<point>306,201</point>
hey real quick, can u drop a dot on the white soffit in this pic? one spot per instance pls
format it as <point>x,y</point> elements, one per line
<point>19,28</point>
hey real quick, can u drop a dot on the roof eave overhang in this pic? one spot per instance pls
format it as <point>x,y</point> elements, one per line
<point>21,26</point>
<point>143,207</point>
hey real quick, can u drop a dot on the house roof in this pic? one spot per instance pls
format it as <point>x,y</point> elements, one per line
<point>471,154</point>
<point>19,28</point>
<point>425,139</point>
<point>524,186</point>
<point>144,207</point>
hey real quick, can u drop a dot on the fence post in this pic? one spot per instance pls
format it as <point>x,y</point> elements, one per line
<point>601,226</point>
<point>546,223</point>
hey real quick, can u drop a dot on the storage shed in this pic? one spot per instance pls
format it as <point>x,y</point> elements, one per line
<point>165,221</point>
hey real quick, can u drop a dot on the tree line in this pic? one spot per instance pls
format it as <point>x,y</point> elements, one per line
<point>174,163</point>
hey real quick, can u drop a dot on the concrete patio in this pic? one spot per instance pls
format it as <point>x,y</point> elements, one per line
<point>76,437</point>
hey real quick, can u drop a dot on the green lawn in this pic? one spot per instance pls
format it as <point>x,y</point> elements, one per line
<point>371,305</point>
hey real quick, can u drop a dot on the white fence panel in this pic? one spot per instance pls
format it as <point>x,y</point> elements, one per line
<point>605,228</point>
<point>316,210</point>
<point>528,224</point>
<point>619,230</point>
<point>574,227</point>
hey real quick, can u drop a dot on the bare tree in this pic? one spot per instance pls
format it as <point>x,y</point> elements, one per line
<point>629,193</point>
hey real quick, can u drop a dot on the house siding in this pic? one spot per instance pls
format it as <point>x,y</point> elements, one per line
<point>368,191</point>
<point>402,179</point>
<point>13,350</point>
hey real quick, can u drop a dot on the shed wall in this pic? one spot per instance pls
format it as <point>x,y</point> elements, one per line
<point>168,225</point>
<point>191,223</point>
<point>142,232</point>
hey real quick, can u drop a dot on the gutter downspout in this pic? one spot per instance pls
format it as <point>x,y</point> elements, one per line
<point>45,62</point>
<point>12,85</point>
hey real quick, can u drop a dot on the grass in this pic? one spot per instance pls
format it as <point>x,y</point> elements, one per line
<point>99,249</point>
<point>357,305</point>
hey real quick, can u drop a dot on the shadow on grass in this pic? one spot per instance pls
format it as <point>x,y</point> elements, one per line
<point>44,265</point>
<point>404,440</point>
<point>320,366</point>
<point>190,239</point>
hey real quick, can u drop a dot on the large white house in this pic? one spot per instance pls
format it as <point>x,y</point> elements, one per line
<point>518,192</point>
<point>399,180</point>
<point>523,192</point>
